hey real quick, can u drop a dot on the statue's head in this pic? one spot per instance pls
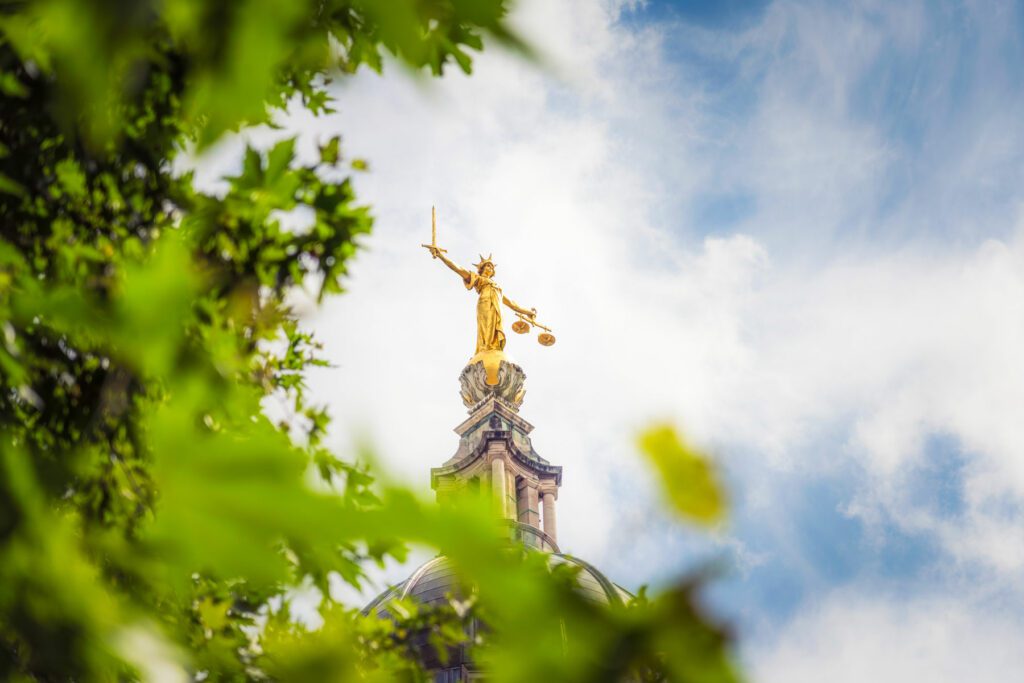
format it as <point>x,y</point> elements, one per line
<point>485,267</point>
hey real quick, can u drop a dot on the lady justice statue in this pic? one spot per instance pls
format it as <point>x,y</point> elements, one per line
<point>490,336</point>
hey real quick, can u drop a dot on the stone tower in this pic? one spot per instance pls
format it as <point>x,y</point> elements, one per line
<point>495,451</point>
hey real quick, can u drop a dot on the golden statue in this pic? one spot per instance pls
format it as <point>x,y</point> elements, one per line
<point>490,335</point>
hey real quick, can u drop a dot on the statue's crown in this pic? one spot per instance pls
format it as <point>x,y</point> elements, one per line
<point>483,262</point>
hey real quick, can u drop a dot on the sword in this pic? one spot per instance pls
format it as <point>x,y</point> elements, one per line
<point>433,232</point>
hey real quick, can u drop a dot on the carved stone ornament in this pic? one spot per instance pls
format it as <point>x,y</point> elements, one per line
<point>509,388</point>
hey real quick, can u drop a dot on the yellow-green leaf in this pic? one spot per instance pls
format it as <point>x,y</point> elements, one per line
<point>687,475</point>
<point>213,614</point>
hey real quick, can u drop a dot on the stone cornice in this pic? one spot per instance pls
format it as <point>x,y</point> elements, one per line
<point>505,436</point>
<point>491,406</point>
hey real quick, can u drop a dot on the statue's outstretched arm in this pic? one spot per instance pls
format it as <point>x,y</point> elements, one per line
<point>529,313</point>
<point>437,253</point>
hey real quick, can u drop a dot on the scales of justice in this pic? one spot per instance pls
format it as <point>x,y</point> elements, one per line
<point>490,335</point>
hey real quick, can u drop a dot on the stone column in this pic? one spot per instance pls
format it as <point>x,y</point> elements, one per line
<point>548,500</point>
<point>510,494</point>
<point>498,481</point>
<point>532,516</point>
<point>522,503</point>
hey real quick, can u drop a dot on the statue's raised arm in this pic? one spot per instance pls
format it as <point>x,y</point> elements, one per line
<point>438,253</point>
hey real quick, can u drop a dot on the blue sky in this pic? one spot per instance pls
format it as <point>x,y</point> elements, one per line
<point>931,86</point>
<point>793,228</point>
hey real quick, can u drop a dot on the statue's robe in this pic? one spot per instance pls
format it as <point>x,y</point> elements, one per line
<point>489,334</point>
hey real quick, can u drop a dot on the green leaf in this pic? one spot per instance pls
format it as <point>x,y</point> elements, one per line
<point>688,476</point>
<point>9,186</point>
<point>331,152</point>
<point>10,85</point>
<point>70,177</point>
<point>278,159</point>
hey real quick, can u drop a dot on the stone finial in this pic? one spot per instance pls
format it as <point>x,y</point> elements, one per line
<point>509,388</point>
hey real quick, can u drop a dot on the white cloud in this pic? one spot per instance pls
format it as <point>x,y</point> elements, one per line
<point>855,638</point>
<point>904,347</point>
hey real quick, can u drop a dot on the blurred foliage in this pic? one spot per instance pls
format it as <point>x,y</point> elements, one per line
<point>154,522</point>
<point>226,60</point>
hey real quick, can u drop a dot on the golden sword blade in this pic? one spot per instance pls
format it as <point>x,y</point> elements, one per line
<point>433,232</point>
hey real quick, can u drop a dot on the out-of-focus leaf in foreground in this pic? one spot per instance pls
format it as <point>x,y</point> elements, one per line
<point>234,60</point>
<point>688,476</point>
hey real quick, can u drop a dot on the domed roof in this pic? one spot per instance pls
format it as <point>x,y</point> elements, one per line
<point>436,579</point>
<point>592,583</point>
